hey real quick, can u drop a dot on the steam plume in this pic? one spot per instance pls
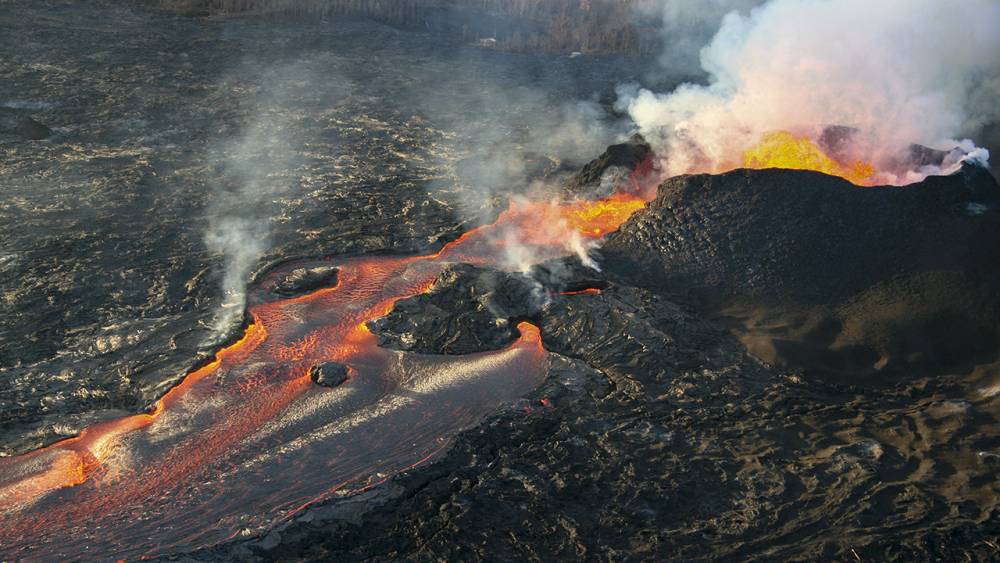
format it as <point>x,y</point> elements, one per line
<point>506,135</point>
<point>685,27</point>
<point>896,72</point>
<point>258,166</point>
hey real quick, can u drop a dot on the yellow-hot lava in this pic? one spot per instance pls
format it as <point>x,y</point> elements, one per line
<point>598,218</point>
<point>782,149</point>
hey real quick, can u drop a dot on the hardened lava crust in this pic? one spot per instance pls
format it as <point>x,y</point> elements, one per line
<point>769,365</point>
<point>661,432</point>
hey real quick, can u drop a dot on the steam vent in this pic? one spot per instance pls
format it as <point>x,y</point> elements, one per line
<point>605,280</point>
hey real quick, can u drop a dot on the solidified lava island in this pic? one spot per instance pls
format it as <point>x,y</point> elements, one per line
<point>597,280</point>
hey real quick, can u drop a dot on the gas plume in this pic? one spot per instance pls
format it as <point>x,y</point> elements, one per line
<point>257,166</point>
<point>514,138</point>
<point>685,27</point>
<point>887,74</point>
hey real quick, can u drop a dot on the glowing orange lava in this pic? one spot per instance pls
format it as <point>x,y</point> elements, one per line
<point>547,223</point>
<point>588,291</point>
<point>782,149</point>
<point>598,218</point>
<point>247,440</point>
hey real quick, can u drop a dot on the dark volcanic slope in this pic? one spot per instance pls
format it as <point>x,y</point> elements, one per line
<point>805,236</point>
<point>662,439</point>
<point>826,274</point>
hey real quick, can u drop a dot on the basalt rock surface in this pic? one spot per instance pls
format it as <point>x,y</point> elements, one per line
<point>601,176</point>
<point>645,344</point>
<point>329,374</point>
<point>823,274</point>
<point>468,309</point>
<point>17,123</point>
<point>304,280</point>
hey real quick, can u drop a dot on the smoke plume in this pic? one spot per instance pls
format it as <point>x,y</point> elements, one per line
<point>891,73</point>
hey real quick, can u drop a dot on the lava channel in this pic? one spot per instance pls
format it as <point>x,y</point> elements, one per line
<point>247,441</point>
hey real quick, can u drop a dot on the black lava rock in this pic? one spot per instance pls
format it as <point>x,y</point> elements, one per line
<point>567,274</point>
<point>304,280</point>
<point>23,125</point>
<point>625,156</point>
<point>469,309</point>
<point>860,279</point>
<point>329,374</point>
<point>638,339</point>
<point>31,129</point>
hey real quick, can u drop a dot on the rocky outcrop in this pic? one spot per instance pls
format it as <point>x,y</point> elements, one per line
<point>329,374</point>
<point>305,280</point>
<point>13,122</point>
<point>592,180</point>
<point>469,309</point>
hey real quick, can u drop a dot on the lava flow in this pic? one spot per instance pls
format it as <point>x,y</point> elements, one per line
<point>248,440</point>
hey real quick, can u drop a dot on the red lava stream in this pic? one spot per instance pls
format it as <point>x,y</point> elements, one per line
<point>248,440</point>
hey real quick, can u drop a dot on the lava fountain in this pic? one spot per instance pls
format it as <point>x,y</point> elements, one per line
<point>248,441</point>
<point>783,149</point>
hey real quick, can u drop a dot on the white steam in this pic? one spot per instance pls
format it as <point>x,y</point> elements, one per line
<point>897,71</point>
<point>258,166</point>
<point>575,133</point>
<point>514,140</point>
<point>686,26</point>
<point>522,250</point>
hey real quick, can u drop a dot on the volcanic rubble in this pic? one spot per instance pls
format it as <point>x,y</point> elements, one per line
<point>329,374</point>
<point>861,427</point>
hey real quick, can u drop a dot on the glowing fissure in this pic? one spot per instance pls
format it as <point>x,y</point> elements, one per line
<point>247,440</point>
<point>587,291</point>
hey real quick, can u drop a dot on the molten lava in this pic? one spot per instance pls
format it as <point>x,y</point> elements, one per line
<point>598,218</point>
<point>544,223</point>
<point>782,149</point>
<point>247,440</point>
<point>587,291</point>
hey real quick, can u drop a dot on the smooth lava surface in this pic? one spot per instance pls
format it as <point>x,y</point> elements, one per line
<point>248,440</point>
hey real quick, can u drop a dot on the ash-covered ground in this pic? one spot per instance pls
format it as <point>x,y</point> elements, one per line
<point>187,155</point>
